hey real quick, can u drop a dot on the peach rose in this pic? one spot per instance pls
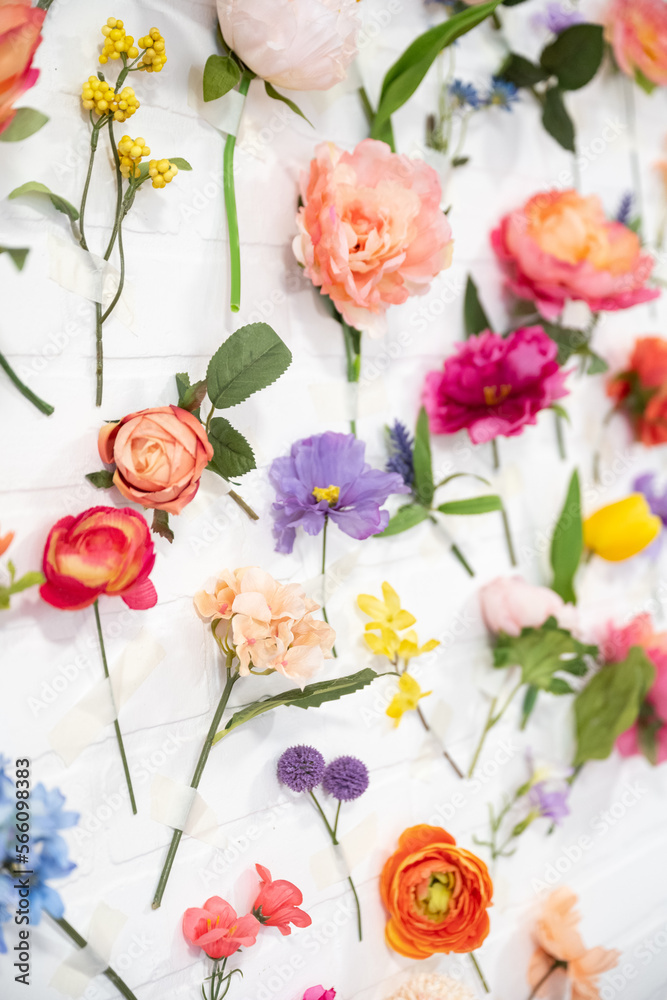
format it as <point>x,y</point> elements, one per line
<point>637,33</point>
<point>20,26</point>
<point>436,893</point>
<point>560,246</point>
<point>159,455</point>
<point>510,604</point>
<point>371,232</point>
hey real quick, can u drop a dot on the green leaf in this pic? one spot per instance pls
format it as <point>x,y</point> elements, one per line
<point>405,75</point>
<point>460,475</point>
<point>610,703</point>
<point>272,92</point>
<point>32,579</point>
<point>567,543</point>
<point>190,397</point>
<point>405,518</point>
<point>221,74</point>
<point>34,187</point>
<point>559,686</point>
<point>179,162</point>
<point>529,702</point>
<point>643,81</point>
<point>556,119</point>
<point>160,525</point>
<point>596,364</point>
<point>252,358</point>
<point>25,122</point>
<point>570,341</point>
<point>575,56</point>
<point>473,505</point>
<point>541,653</point>
<point>103,479</point>
<point>521,71</point>
<point>421,457</point>
<point>17,254</point>
<point>474,317</point>
<point>232,455</point>
<point>312,696</point>
<point>561,412</point>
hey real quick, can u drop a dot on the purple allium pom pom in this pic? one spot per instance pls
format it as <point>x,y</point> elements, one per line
<point>301,768</point>
<point>345,778</point>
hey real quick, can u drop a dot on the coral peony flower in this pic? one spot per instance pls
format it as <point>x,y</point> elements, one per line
<point>20,26</point>
<point>495,385</point>
<point>325,476</point>
<point>637,33</point>
<point>159,453</point>
<point>277,903</point>
<point>560,944</point>
<point>510,604</point>
<point>620,530</point>
<point>296,44</point>
<point>432,987</point>
<point>436,893</point>
<point>218,930</point>
<point>640,391</point>
<point>371,232</point>
<point>101,551</point>
<point>560,246</point>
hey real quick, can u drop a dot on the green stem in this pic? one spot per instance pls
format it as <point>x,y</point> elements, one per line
<point>324,818</point>
<point>112,976</point>
<point>367,106</point>
<point>121,280</point>
<point>119,736</point>
<point>503,512</point>
<point>557,965</point>
<point>445,754</point>
<point>324,574</point>
<point>230,207</point>
<point>491,721</point>
<point>335,829</point>
<point>196,778</point>
<point>243,505</point>
<point>94,136</point>
<point>352,339</point>
<point>456,551</point>
<point>43,407</point>
<point>629,94</point>
<point>99,355</point>
<point>99,319</point>
<point>560,437</point>
<point>479,972</point>
<point>334,840</point>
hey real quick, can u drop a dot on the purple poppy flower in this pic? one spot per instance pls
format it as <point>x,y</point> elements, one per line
<point>655,497</point>
<point>326,476</point>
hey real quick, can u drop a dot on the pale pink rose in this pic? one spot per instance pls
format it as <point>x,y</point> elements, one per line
<point>637,33</point>
<point>509,604</point>
<point>295,44</point>
<point>371,231</point>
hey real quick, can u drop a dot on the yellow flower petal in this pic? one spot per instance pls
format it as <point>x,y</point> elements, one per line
<point>620,530</point>
<point>391,599</point>
<point>371,606</point>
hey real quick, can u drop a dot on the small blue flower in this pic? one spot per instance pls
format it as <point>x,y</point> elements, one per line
<point>463,94</point>
<point>47,815</point>
<point>624,209</point>
<point>400,452</point>
<point>502,94</point>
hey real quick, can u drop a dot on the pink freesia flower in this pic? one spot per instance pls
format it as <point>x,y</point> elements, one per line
<point>277,903</point>
<point>509,604</point>
<point>637,32</point>
<point>371,232</point>
<point>218,930</point>
<point>495,385</point>
<point>560,246</point>
<point>319,993</point>
<point>20,26</point>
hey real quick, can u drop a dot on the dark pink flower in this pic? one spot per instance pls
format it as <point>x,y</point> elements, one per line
<point>277,904</point>
<point>319,993</point>
<point>495,385</point>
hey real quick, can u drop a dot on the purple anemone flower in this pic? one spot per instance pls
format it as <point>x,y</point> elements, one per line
<point>655,497</point>
<point>326,476</point>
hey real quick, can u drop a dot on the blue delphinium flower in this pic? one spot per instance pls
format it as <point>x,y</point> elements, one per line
<point>502,94</point>
<point>400,459</point>
<point>46,813</point>
<point>463,95</point>
<point>624,209</point>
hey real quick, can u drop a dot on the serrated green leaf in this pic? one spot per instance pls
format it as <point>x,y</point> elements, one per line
<point>273,93</point>
<point>474,317</point>
<point>252,358</point>
<point>312,696</point>
<point>421,457</point>
<point>190,397</point>
<point>17,254</point>
<point>35,187</point>
<point>556,119</point>
<point>25,123</point>
<point>405,518</point>
<point>521,71</point>
<point>221,74</point>
<point>540,652</point>
<point>160,525</point>
<point>574,57</point>
<point>232,455</point>
<point>473,505</point>
<point>103,479</point>
<point>567,543</point>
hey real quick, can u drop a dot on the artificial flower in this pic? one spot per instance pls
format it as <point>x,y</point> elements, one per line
<point>218,930</point>
<point>510,604</point>
<point>296,44</point>
<point>20,27</point>
<point>345,778</point>
<point>371,231</point>
<point>301,768</point>
<point>557,17</point>
<point>159,454</point>
<point>386,613</point>
<point>655,497</point>
<point>561,956</point>
<point>5,542</point>
<point>101,551</point>
<point>319,993</point>
<point>326,477</point>
<point>495,385</point>
<point>277,903</point>
<point>620,530</point>
<point>637,33</point>
<point>425,986</point>
<point>560,246</point>
<point>640,390</point>
<point>549,791</point>
<point>400,444</point>
<point>436,894</point>
<point>406,699</point>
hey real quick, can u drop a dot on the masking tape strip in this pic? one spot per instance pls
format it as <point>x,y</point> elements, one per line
<point>72,977</point>
<point>223,113</point>
<point>76,269</point>
<point>81,726</point>
<point>349,400</point>
<point>335,864</point>
<point>182,808</point>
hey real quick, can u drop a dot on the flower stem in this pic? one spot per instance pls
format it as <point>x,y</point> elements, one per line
<point>99,319</point>
<point>332,831</point>
<point>119,736</point>
<point>479,972</point>
<point>557,965</point>
<point>196,778</point>
<point>367,106</point>
<point>324,575</point>
<point>456,551</point>
<point>112,976</point>
<point>230,208</point>
<point>243,505</point>
<point>121,280</point>
<point>94,136</point>
<point>491,721</point>
<point>43,407</point>
<point>352,339</point>
<point>428,729</point>
<point>503,511</point>
<point>560,437</point>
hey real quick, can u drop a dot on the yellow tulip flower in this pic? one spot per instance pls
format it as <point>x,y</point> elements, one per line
<point>387,613</point>
<point>406,699</point>
<point>620,530</point>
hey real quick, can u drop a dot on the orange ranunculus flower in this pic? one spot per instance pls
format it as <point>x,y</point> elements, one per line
<point>20,26</point>
<point>437,895</point>
<point>641,389</point>
<point>6,541</point>
<point>159,455</point>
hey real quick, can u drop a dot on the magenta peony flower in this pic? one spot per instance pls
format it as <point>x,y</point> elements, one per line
<point>495,385</point>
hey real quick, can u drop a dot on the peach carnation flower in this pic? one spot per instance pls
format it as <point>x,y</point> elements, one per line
<point>432,987</point>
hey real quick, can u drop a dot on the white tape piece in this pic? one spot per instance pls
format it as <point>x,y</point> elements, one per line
<point>76,269</point>
<point>82,725</point>
<point>349,400</point>
<point>72,977</point>
<point>224,113</point>
<point>182,808</point>
<point>335,864</point>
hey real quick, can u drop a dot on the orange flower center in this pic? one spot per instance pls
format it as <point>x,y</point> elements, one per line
<point>494,395</point>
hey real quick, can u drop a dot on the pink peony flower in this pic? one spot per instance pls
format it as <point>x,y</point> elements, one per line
<point>560,246</point>
<point>509,604</point>
<point>637,33</point>
<point>218,930</point>
<point>277,903</point>
<point>319,993</point>
<point>20,26</point>
<point>495,385</point>
<point>371,232</point>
